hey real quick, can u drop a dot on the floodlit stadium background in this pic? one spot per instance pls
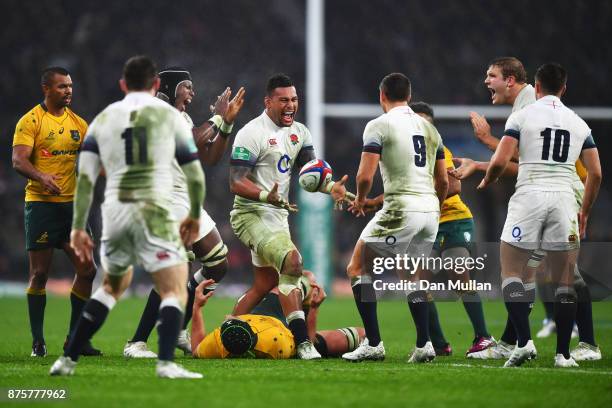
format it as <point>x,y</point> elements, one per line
<point>442,45</point>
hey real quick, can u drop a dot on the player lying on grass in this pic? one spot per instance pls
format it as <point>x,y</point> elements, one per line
<point>264,333</point>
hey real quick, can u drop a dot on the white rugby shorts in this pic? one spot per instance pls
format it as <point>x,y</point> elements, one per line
<point>402,232</point>
<point>542,219</point>
<point>139,234</point>
<point>180,210</point>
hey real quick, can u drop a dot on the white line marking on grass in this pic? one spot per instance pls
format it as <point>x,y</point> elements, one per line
<point>556,370</point>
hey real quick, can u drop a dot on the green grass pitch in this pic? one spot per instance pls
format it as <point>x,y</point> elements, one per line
<point>113,381</point>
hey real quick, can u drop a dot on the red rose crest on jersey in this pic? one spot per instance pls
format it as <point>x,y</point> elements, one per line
<point>162,255</point>
<point>294,139</point>
<point>272,142</point>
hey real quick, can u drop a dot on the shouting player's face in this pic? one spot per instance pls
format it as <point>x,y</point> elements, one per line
<point>59,91</point>
<point>184,95</point>
<point>282,105</point>
<point>497,85</point>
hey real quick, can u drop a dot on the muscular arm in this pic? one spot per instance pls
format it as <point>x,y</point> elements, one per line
<point>23,166</point>
<point>365,174</point>
<point>208,153</point>
<point>590,159</point>
<point>500,160</point>
<point>441,180</point>
<point>89,169</point>
<point>304,156</point>
<point>198,331</point>
<point>311,323</point>
<point>196,187</point>
<point>241,184</point>
<point>467,167</point>
<point>454,186</point>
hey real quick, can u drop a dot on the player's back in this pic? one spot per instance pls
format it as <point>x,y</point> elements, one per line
<point>137,144</point>
<point>551,138</point>
<point>408,145</point>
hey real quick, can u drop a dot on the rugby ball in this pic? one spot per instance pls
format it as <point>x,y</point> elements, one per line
<point>314,175</point>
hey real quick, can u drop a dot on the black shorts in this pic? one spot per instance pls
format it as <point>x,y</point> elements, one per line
<point>270,306</point>
<point>47,225</point>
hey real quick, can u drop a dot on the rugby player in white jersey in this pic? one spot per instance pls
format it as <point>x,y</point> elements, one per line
<point>506,80</point>
<point>136,141</point>
<point>264,154</point>
<point>543,213</point>
<point>212,140</point>
<point>411,156</point>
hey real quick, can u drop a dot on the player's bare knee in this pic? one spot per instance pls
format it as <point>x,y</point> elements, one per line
<point>38,279</point>
<point>293,264</point>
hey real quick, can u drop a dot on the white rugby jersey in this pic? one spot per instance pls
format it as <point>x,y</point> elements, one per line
<point>551,138</point>
<point>137,140</point>
<point>271,152</point>
<point>409,147</point>
<point>180,182</point>
<point>525,97</point>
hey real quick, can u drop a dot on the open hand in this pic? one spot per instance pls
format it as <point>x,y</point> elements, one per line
<point>82,244</point>
<point>189,229</point>
<point>201,298</point>
<point>276,200</point>
<point>221,104</point>
<point>234,106</point>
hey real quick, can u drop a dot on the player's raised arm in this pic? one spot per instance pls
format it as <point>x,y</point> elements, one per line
<point>499,161</point>
<point>590,158</point>
<point>198,330</point>
<point>212,138</point>
<point>89,169</point>
<point>466,167</point>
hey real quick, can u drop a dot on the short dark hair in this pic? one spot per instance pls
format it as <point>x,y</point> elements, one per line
<point>422,107</point>
<point>552,77</point>
<point>139,73</point>
<point>396,87</point>
<point>511,66</point>
<point>278,81</point>
<point>49,72</point>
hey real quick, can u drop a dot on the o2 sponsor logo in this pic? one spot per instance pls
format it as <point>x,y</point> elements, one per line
<point>516,234</point>
<point>284,164</point>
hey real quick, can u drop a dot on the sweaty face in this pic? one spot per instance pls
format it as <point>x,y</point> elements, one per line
<point>497,85</point>
<point>282,105</point>
<point>59,90</point>
<point>184,95</point>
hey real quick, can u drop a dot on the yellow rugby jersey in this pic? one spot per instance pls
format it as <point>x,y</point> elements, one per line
<point>274,340</point>
<point>453,208</point>
<point>55,143</point>
<point>581,170</point>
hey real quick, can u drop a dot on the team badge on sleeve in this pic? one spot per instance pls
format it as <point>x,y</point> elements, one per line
<point>241,153</point>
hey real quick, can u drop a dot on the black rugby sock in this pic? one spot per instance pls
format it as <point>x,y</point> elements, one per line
<point>148,318</point>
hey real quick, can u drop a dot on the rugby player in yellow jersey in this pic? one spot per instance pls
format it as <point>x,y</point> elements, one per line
<point>454,240</point>
<point>264,332</point>
<point>46,143</point>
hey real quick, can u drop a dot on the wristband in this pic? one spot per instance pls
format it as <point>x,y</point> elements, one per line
<point>328,187</point>
<point>216,120</point>
<point>263,196</point>
<point>226,127</point>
